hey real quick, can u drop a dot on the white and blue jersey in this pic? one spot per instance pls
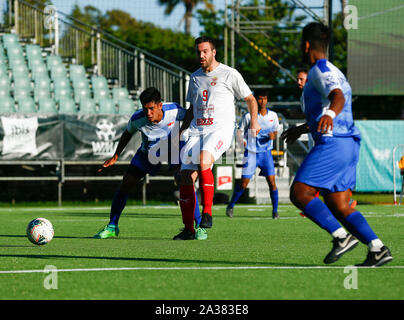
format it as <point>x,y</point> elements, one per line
<point>268,122</point>
<point>323,78</point>
<point>155,136</point>
<point>331,163</point>
<point>258,149</point>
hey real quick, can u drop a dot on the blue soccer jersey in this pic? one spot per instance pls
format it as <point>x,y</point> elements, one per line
<point>153,133</point>
<point>268,122</point>
<point>323,78</point>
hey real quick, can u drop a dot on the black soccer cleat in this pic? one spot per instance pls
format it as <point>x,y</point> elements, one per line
<point>341,246</point>
<point>275,215</point>
<point>206,221</point>
<point>377,259</point>
<point>185,235</point>
<point>229,212</point>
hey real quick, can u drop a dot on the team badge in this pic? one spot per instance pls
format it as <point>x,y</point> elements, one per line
<point>214,81</point>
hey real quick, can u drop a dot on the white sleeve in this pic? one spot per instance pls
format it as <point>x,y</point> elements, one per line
<point>325,82</point>
<point>240,88</point>
<point>276,122</point>
<point>190,93</point>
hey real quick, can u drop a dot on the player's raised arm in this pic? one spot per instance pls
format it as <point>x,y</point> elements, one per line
<point>123,142</point>
<point>253,110</point>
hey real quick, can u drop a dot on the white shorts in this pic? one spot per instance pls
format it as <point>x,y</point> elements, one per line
<point>216,143</point>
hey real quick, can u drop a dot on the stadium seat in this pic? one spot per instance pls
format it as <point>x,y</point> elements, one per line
<point>119,93</point>
<point>61,82</point>
<point>20,93</point>
<point>7,105</point>
<point>22,81</point>
<point>19,71</point>
<point>47,105</point>
<point>5,82</point>
<point>39,71</point>
<point>80,93</point>
<point>33,51</point>
<point>41,93</point>
<point>62,93</point>
<point>77,71</point>
<point>107,106</point>
<point>58,71</point>
<point>15,51</point>
<point>101,94</point>
<point>67,105</point>
<point>42,81</point>
<point>126,106</point>
<point>35,62</point>
<point>10,39</point>
<point>26,105</point>
<point>52,61</point>
<point>99,82</point>
<point>3,71</point>
<point>87,106</point>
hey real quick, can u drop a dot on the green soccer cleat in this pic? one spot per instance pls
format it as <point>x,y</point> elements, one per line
<point>201,234</point>
<point>109,231</point>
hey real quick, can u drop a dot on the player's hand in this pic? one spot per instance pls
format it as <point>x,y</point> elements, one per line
<point>255,127</point>
<point>291,135</point>
<point>325,124</point>
<point>108,163</point>
<point>272,135</point>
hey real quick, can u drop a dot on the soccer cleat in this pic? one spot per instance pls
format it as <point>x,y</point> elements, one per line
<point>201,234</point>
<point>275,215</point>
<point>185,235</point>
<point>206,221</point>
<point>353,203</point>
<point>229,212</point>
<point>377,259</point>
<point>340,246</point>
<point>108,231</point>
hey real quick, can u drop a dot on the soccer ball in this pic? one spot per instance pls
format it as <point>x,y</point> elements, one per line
<point>40,231</point>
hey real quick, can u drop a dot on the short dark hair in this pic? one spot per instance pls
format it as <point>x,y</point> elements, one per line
<point>317,34</point>
<point>149,95</point>
<point>260,92</point>
<point>202,39</point>
<point>304,70</point>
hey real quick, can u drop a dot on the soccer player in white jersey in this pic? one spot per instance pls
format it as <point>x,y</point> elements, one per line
<point>211,122</point>
<point>330,166</point>
<point>258,152</point>
<point>157,122</point>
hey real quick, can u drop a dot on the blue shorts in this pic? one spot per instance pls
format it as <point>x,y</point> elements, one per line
<point>331,165</point>
<point>262,160</point>
<point>140,160</point>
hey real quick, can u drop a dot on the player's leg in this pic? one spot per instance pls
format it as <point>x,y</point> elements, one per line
<point>304,197</point>
<point>248,171</point>
<point>206,187</point>
<point>266,163</point>
<point>237,193</point>
<point>356,224</point>
<point>130,179</point>
<point>213,145</point>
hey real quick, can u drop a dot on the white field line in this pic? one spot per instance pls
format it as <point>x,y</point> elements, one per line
<point>193,268</point>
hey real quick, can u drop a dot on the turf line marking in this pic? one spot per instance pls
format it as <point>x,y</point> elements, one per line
<point>192,268</point>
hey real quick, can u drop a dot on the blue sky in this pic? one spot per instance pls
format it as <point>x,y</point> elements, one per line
<point>151,11</point>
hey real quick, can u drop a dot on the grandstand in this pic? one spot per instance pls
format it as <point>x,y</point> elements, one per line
<point>33,80</point>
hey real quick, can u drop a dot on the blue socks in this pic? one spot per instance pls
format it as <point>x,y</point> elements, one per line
<point>118,204</point>
<point>237,193</point>
<point>274,199</point>
<point>359,227</point>
<point>319,213</point>
<point>197,213</point>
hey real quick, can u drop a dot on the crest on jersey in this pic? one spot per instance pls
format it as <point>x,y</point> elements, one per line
<point>214,81</point>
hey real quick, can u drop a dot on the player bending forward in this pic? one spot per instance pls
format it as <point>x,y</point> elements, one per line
<point>330,166</point>
<point>156,122</point>
<point>211,121</point>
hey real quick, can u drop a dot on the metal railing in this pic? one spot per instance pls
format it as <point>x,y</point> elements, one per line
<point>126,64</point>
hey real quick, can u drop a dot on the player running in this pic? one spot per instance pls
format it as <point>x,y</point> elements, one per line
<point>211,121</point>
<point>330,166</point>
<point>258,152</point>
<point>157,122</point>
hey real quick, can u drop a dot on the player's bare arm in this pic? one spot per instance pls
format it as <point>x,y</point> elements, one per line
<point>273,135</point>
<point>189,116</point>
<point>253,110</point>
<point>123,142</point>
<point>294,133</point>
<point>337,102</point>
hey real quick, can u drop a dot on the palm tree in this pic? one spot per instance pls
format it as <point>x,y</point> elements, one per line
<point>189,7</point>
